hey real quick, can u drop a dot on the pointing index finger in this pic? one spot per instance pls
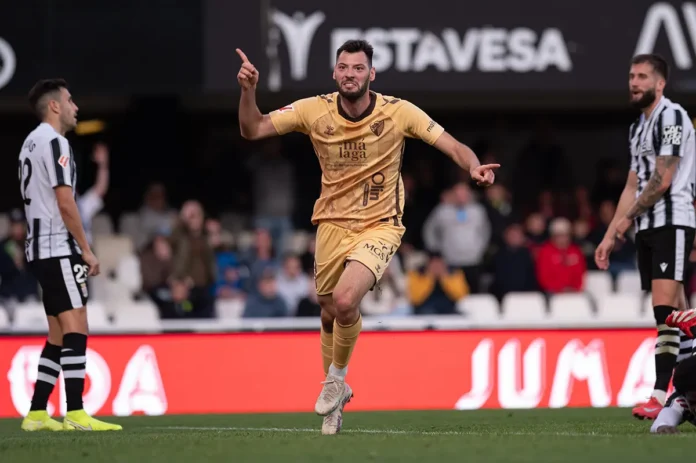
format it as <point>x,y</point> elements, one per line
<point>242,55</point>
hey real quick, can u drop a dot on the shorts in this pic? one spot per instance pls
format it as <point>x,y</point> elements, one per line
<point>63,282</point>
<point>663,253</point>
<point>335,246</point>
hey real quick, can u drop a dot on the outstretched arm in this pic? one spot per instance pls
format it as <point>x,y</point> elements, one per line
<point>466,159</point>
<point>253,125</point>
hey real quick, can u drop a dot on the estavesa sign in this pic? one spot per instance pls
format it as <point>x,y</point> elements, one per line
<point>412,48</point>
<point>466,370</point>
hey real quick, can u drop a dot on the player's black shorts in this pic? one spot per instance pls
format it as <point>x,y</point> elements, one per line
<point>63,281</point>
<point>663,253</point>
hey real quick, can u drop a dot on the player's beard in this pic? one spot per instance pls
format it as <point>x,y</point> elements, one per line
<point>69,122</point>
<point>645,100</point>
<point>355,94</point>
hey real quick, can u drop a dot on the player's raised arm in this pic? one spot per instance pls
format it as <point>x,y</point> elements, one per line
<point>252,124</point>
<point>414,122</point>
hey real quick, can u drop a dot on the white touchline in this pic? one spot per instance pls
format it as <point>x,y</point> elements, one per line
<point>389,431</point>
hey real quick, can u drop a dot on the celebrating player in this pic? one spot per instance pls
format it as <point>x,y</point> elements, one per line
<point>359,137</point>
<point>658,198</point>
<point>59,256</point>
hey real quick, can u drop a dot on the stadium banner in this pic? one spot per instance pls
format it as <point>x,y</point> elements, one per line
<point>229,373</point>
<point>499,45</point>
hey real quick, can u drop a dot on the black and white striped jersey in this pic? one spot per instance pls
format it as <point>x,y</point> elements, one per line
<point>46,161</point>
<point>667,132</point>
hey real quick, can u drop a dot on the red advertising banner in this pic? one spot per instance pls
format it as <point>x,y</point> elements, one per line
<point>281,372</point>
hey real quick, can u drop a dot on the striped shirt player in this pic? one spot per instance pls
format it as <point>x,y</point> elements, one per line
<point>59,256</point>
<point>665,231</point>
<point>46,162</point>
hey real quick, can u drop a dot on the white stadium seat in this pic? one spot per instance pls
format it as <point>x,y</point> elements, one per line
<point>96,315</point>
<point>128,273</point>
<point>30,316</point>
<point>571,307</point>
<point>298,242</point>
<point>4,319</point>
<point>110,250</point>
<point>628,282</point>
<point>137,316</point>
<point>620,308</point>
<point>229,308</point>
<point>480,308</point>
<point>527,308</point>
<point>598,284</point>
<point>129,225</point>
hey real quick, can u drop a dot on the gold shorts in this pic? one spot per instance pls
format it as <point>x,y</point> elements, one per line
<point>335,246</point>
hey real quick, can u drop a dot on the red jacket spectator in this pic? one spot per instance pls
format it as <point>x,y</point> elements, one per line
<point>561,265</point>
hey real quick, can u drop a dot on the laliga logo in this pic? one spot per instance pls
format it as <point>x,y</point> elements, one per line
<point>664,15</point>
<point>8,63</point>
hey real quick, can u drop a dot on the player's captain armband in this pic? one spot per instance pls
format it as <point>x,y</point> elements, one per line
<point>291,117</point>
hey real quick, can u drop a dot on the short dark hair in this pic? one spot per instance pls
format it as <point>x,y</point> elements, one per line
<point>685,376</point>
<point>42,88</point>
<point>658,63</point>
<point>356,46</point>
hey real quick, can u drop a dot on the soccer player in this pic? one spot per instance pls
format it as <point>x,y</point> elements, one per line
<point>59,256</point>
<point>658,198</point>
<point>359,137</point>
<point>680,405</point>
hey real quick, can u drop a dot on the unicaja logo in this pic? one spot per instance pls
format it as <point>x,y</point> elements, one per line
<point>8,62</point>
<point>297,32</point>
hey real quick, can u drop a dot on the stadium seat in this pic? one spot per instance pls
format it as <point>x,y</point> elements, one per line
<point>102,225</point>
<point>526,308</point>
<point>128,273</point>
<point>479,308</point>
<point>229,308</point>
<point>4,319</point>
<point>137,316</point>
<point>620,308</point>
<point>110,249</point>
<point>96,315</point>
<point>571,308</point>
<point>598,284</point>
<point>628,282</point>
<point>30,316</point>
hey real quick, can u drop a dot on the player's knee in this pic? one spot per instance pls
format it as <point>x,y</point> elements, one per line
<point>345,303</point>
<point>74,321</point>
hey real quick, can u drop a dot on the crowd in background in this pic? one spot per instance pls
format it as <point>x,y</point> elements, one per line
<point>530,232</point>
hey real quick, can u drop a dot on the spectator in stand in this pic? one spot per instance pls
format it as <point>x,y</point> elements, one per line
<point>293,284</point>
<point>194,263</point>
<point>581,237</point>
<point>535,228</point>
<point>307,258</point>
<point>16,283</point>
<point>156,217</point>
<point>436,289</point>
<point>460,232</point>
<point>623,257</point>
<point>561,266</point>
<point>389,297</point>
<point>265,301</point>
<point>261,256</point>
<point>513,265</point>
<point>92,201</point>
<point>156,268</point>
<point>309,305</point>
<point>499,209</point>
<point>231,276</point>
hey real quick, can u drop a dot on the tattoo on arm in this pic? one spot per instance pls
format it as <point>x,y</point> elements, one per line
<point>653,191</point>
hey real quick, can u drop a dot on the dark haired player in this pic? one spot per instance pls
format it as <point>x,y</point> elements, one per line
<point>59,256</point>
<point>681,405</point>
<point>658,199</point>
<point>359,138</point>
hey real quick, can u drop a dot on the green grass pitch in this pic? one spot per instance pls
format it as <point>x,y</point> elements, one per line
<point>562,435</point>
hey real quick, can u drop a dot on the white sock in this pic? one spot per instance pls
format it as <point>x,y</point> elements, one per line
<point>661,396</point>
<point>339,372</point>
